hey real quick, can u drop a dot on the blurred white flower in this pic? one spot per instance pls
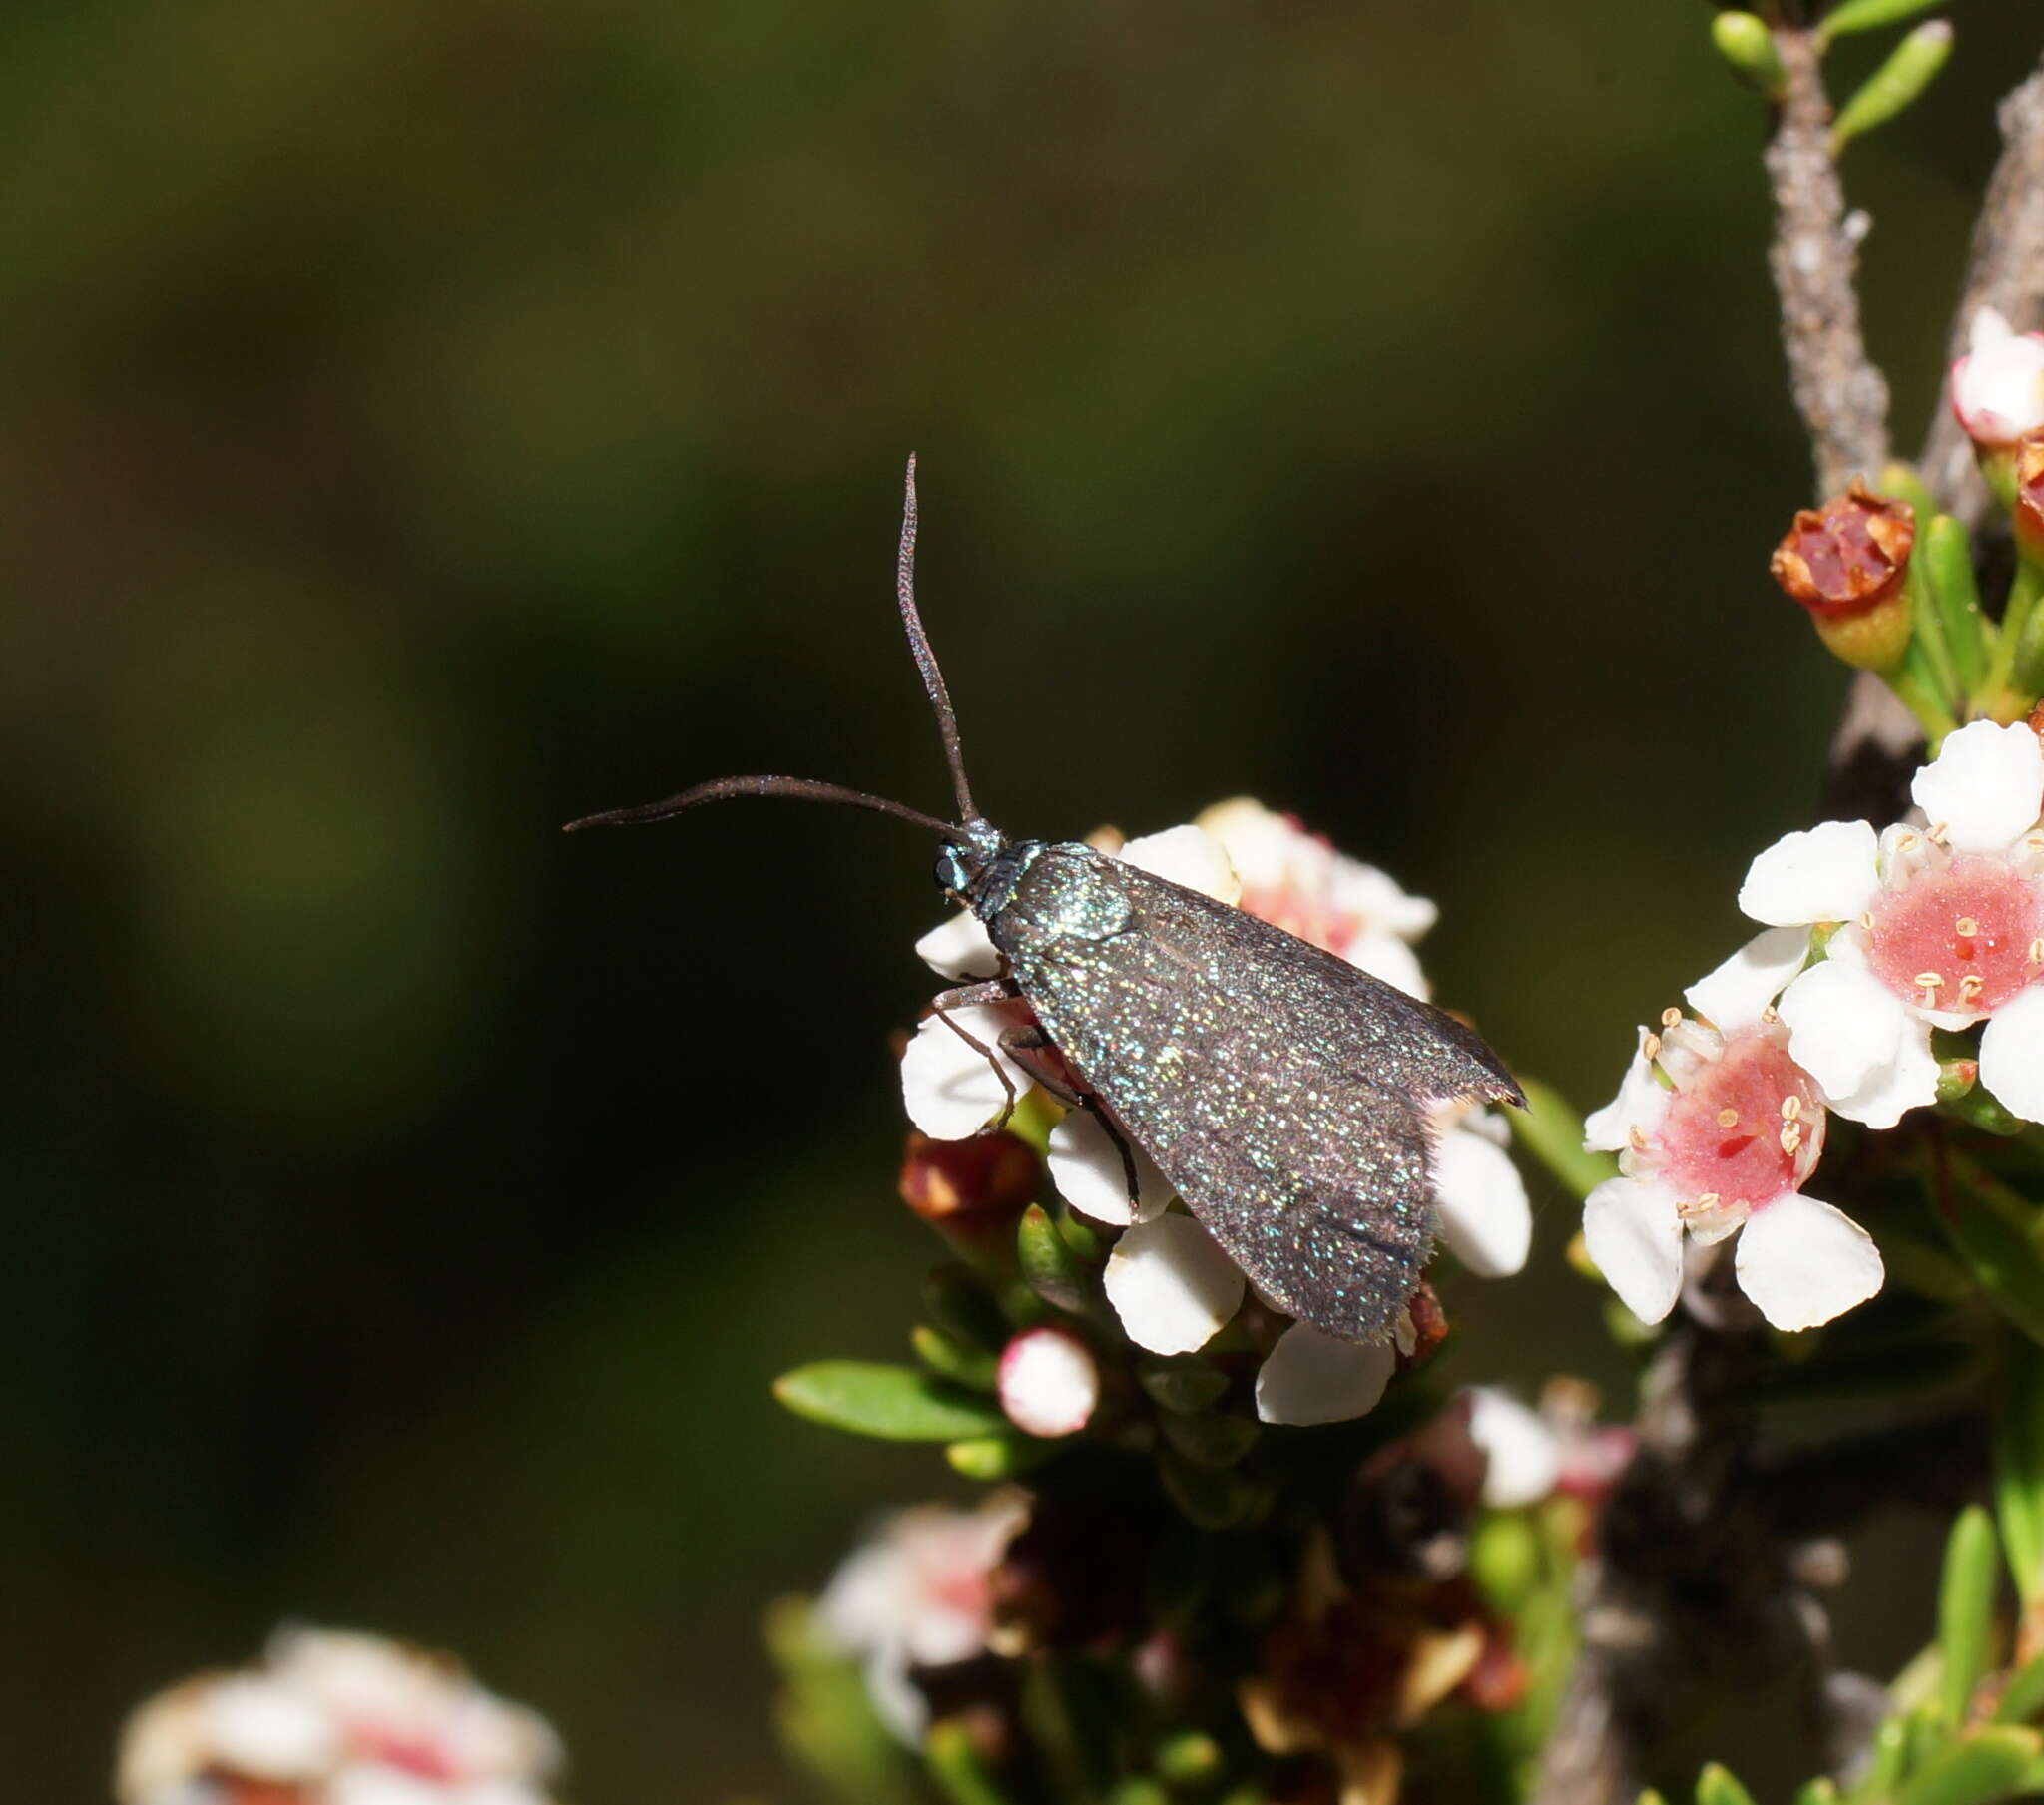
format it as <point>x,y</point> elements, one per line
<point>918,1594</point>
<point>1048,1381</point>
<point>1998,386</point>
<point>335,1718</point>
<point>1934,929</point>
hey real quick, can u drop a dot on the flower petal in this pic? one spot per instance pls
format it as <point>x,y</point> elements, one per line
<point>1310,1377</point>
<point>1480,1201</point>
<point>1086,1166</point>
<point>1736,993</point>
<point>1186,855</point>
<point>958,949</point>
<point>1985,787</point>
<point>1641,1102</point>
<point>1524,1455</point>
<point>949,1089</point>
<point>2012,1054</point>
<point>1826,873</point>
<point>1387,957</point>
<point>1907,1082</point>
<point>1803,1262</point>
<point>1844,1025</point>
<point>1635,1240</point>
<point>1170,1285</point>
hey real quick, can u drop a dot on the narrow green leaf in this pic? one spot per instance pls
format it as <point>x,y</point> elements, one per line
<point>990,1458</point>
<point>1891,1748</point>
<point>963,1308</point>
<point>893,1403</point>
<point>1994,1248</point>
<point>1717,1786</point>
<point>1553,1134</point>
<point>1140,1789</point>
<point>1745,42</point>
<point>2024,1697</point>
<point>1946,554</point>
<point>949,1358</point>
<point>2019,1469</point>
<point>1820,1791</point>
<point>1210,1441</point>
<point>1910,68</point>
<point>1189,1758</point>
<point>957,1767</point>
<point>1048,1263</point>
<point>1869,15</point>
<point>1982,1769</point>
<point>1209,1497</point>
<point>1927,620</point>
<point>1187,1384</point>
<point>1965,1610</point>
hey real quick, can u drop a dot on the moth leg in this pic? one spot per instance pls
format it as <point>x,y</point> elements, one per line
<point>1020,1043</point>
<point>966,996</point>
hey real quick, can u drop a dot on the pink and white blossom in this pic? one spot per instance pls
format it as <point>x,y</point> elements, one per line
<point>1998,386</point>
<point>1048,1381</point>
<point>1934,926</point>
<point>336,1718</point>
<point>1716,1131</point>
<point>918,1592</point>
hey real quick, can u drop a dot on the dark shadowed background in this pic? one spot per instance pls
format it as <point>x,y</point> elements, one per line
<point>425,422</point>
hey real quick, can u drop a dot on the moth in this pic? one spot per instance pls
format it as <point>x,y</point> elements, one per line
<point>1284,1094</point>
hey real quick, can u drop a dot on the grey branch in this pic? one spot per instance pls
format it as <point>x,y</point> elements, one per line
<point>2006,272</point>
<point>1843,397</point>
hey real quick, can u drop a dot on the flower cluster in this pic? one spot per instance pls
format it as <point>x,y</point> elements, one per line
<point>1170,1285</point>
<point>333,1718</point>
<point>1873,943</point>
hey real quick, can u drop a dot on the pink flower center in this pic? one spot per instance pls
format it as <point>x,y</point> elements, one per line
<point>1309,917</point>
<point>1743,1130</point>
<point>1964,938</point>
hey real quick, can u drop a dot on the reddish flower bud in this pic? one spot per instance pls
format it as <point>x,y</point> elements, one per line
<point>1845,562</point>
<point>986,1181</point>
<point>2029,510</point>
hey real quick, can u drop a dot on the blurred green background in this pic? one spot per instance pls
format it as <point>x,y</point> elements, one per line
<point>426,422</point>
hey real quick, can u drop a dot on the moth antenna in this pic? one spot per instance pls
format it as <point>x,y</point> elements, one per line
<point>803,790</point>
<point>925,659</point>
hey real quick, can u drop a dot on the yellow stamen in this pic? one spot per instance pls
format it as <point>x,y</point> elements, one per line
<point>1967,926</point>
<point>1791,1109</point>
<point>1669,1017</point>
<point>1728,1119</point>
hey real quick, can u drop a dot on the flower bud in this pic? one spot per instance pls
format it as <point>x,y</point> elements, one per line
<point>2030,503</point>
<point>1998,386</point>
<point>969,1186</point>
<point>1745,42</point>
<point>1049,1381</point>
<point>1845,562</point>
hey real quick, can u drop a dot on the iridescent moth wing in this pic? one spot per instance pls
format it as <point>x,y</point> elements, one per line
<point>1282,1093</point>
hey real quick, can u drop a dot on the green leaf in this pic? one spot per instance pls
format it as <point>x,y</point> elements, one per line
<point>963,1308</point>
<point>1965,1610</point>
<point>1211,1440</point>
<point>990,1458</point>
<point>1745,42</point>
<point>1910,68</point>
<point>824,1714</point>
<point>1717,1786</point>
<point>1983,1768</point>
<point>1210,1497</point>
<point>2019,1469</point>
<point>957,1767</point>
<point>1189,1758</point>
<point>1048,1263</point>
<point>1187,1385</point>
<point>2024,1697</point>
<point>1553,1134</point>
<point>1869,15</point>
<point>949,1358</point>
<point>1946,554</point>
<point>893,1403</point>
<point>1820,1791</point>
<point>1996,1250</point>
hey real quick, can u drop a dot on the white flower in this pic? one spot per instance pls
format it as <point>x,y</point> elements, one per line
<point>1725,1149</point>
<point>352,1719</point>
<point>1998,386</point>
<point>1170,1283</point>
<point>1522,1453</point>
<point>917,1593</point>
<point>1296,880</point>
<point>1934,929</point>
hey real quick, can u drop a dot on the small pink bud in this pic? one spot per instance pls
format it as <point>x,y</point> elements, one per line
<point>2029,512</point>
<point>964,1184</point>
<point>1049,1382</point>
<point>1998,388</point>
